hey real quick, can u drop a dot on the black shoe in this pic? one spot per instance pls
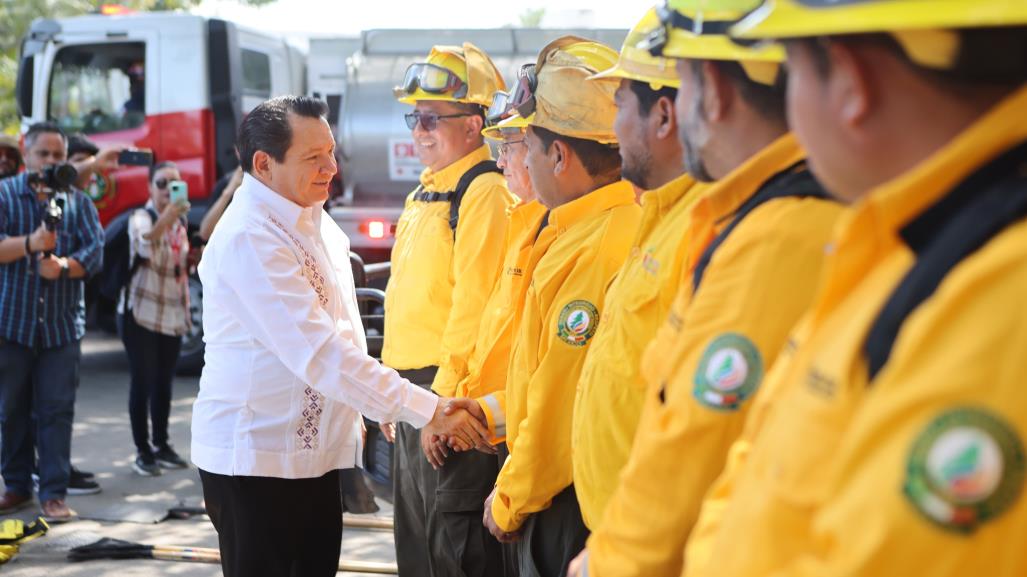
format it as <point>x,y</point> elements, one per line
<point>169,459</point>
<point>146,466</point>
<point>76,472</point>
<point>78,485</point>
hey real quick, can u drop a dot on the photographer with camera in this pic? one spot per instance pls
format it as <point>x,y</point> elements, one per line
<point>50,241</point>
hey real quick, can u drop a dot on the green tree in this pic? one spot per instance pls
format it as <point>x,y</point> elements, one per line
<point>17,15</point>
<point>532,18</point>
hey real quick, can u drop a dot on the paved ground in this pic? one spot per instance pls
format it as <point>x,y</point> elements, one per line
<point>130,506</point>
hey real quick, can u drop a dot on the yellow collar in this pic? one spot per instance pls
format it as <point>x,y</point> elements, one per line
<point>446,179</point>
<point>599,200</point>
<point>895,203</point>
<point>669,194</point>
<point>725,196</point>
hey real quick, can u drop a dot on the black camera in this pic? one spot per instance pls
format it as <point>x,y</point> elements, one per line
<point>56,177</point>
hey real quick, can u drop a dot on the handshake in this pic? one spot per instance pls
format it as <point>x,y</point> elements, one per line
<point>458,424</point>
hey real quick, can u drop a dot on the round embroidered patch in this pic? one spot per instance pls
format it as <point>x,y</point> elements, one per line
<point>578,323</point>
<point>729,372</point>
<point>965,468</point>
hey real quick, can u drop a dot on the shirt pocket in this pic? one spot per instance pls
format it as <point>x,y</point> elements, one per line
<point>801,445</point>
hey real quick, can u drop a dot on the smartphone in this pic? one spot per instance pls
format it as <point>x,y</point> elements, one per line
<point>140,157</point>
<point>179,191</point>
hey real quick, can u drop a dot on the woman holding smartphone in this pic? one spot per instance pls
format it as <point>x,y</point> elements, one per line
<point>155,315</point>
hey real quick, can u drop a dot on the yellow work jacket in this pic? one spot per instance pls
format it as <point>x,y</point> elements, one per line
<point>610,391</point>
<point>569,270</point>
<point>489,362</point>
<point>438,287</point>
<point>708,361</point>
<point>920,471</point>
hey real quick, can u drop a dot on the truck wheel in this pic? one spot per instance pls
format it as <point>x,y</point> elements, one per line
<point>190,360</point>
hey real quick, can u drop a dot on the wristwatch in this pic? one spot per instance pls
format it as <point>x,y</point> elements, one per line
<point>64,269</point>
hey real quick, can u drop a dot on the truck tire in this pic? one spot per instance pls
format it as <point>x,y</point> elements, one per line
<point>190,360</point>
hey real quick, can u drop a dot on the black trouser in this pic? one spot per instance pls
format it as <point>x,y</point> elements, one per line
<point>272,527</point>
<point>413,491</point>
<point>511,564</point>
<point>151,358</point>
<point>459,544</point>
<point>552,538</point>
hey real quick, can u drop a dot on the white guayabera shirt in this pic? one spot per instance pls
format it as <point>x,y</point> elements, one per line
<point>286,367</point>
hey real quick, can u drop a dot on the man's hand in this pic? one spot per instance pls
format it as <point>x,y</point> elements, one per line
<point>389,430</point>
<point>50,266</point>
<point>490,523</point>
<point>577,566</point>
<point>107,160</point>
<point>472,407</point>
<point>42,239</point>
<point>434,447</point>
<point>461,428</point>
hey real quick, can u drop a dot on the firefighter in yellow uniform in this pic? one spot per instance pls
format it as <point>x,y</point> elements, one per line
<point>894,444</point>
<point>583,241</point>
<point>465,478</point>
<point>447,256</point>
<point>756,240</point>
<point>611,389</point>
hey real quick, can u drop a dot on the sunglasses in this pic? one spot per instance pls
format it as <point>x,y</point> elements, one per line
<point>162,183</point>
<point>431,79</point>
<point>429,120</point>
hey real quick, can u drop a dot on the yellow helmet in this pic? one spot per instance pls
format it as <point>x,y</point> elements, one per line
<point>453,74</point>
<point>512,123</point>
<point>803,18</point>
<point>924,28</point>
<point>698,29</point>
<point>556,95</point>
<point>638,64</point>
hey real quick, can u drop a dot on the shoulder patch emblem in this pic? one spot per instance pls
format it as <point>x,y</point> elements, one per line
<point>729,372</point>
<point>966,467</point>
<point>578,323</point>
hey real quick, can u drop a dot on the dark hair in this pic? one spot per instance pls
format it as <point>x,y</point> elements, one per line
<point>647,97</point>
<point>598,159</point>
<point>266,127</point>
<point>42,128</point>
<point>767,101</point>
<point>155,167</point>
<point>995,56</point>
<point>78,143</point>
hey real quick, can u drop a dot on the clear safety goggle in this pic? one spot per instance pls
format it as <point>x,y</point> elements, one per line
<point>498,109</point>
<point>431,79</point>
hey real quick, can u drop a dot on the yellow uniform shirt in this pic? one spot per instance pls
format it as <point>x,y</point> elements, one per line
<point>708,362</point>
<point>438,287</point>
<point>569,270</point>
<point>610,391</point>
<point>489,363</point>
<point>921,471</point>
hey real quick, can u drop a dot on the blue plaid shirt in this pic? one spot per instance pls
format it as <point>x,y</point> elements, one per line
<point>33,310</point>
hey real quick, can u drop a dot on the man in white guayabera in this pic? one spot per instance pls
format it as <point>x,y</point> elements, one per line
<point>287,374</point>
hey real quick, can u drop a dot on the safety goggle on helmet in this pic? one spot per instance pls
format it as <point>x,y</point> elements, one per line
<point>521,99</point>
<point>431,79</point>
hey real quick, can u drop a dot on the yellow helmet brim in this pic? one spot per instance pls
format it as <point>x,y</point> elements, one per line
<point>514,122</point>
<point>779,19</point>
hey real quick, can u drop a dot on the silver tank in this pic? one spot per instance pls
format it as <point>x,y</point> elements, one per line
<point>371,119</point>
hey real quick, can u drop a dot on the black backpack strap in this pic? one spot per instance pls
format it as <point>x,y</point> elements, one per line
<point>483,167</point>
<point>796,181</point>
<point>973,213</point>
